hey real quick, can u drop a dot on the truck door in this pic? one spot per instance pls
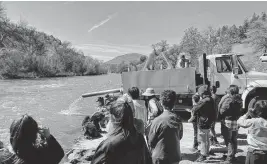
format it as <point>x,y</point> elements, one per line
<point>238,76</point>
<point>223,73</point>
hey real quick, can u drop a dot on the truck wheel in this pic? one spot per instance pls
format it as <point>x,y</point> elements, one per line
<point>254,100</point>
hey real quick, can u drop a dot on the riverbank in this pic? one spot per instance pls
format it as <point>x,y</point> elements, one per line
<point>30,76</point>
<point>83,151</point>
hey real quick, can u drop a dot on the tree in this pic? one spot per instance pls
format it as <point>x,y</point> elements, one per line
<point>192,44</point>
<point>210,40</point>
<point>263,16</point>
<point>143,58</point>
<point>2,12</point>
<point>254,18</point>
<point>122,67</point>
<point>257,36</point>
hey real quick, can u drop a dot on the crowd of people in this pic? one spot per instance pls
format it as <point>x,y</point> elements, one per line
<point>147,131</point>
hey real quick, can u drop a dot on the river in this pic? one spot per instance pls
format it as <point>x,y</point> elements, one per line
<point>53,102</point>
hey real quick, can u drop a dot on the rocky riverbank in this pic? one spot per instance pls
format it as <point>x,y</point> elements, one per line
<point>83,151</point>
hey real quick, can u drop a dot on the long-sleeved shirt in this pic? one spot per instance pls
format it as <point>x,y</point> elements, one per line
<point>140,110</point>
<point>257,132</point>
<point>153,109</point>
<point>164,138</point>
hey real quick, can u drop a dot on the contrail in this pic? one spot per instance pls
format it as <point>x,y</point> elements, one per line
<point>101,23</point>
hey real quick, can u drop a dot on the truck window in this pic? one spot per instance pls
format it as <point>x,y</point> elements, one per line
<point>223,64</point>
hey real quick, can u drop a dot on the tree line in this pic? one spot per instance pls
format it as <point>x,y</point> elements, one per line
<point>212,40</point>
<point>26,52</point>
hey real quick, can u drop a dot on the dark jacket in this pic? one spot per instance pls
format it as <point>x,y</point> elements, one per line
<point>230,108</point>
<point>119,149</point>
<point>164,138</point>
<point>52,153</point>
<point>205,112</point>
<point>124,144</point>
<point>216,100</point>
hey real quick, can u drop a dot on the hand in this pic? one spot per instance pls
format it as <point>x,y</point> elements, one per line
<point>187,109</point>
<point>44,132</point>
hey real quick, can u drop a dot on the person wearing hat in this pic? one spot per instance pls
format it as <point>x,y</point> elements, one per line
<point>152,103</point>
<point>206,115</point>
<point>154,108</point>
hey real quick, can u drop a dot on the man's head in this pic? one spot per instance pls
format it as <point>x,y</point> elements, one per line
<point>168,98</point>
<point>100,101</point>
<point>261,109</point>
<point>134,92</point>
<point>213,89</point>
<point>182,57</point>
<point>203,91</point>
<point>233,90</point>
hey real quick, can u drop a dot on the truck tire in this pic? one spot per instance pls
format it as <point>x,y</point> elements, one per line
<point>254,100</point>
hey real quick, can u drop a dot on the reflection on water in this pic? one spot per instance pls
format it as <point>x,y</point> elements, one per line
<point>52,103</point>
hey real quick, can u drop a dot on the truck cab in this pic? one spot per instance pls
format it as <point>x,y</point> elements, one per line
<point>226,69</point>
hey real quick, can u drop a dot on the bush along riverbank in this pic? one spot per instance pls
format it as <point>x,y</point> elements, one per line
<point>26,52</point>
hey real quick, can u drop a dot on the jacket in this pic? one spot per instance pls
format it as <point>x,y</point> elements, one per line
<point>51,153</point>
<point>230,108</point>
<point>164,138</point>
<point>205,112</point>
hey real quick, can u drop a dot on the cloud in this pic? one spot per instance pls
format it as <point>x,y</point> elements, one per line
<point>102,22</point>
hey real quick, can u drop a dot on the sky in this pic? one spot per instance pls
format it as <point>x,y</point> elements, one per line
<point>105,30</point>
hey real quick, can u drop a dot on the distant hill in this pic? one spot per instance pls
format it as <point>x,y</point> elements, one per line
<point>127,58</point>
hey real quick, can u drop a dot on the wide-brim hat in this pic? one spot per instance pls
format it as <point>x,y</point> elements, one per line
<point>149,92</point>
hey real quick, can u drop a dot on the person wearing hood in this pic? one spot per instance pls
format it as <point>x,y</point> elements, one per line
<point>124,144</point>
<point>206,115</point>
<point>229,112</point>
<point>166,132</point>
<point>255,120</point>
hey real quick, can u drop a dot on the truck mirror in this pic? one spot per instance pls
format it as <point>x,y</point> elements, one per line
<point>217,84</point>
<point>235,71</point>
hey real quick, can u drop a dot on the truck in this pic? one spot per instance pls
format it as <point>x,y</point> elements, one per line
<point>219,70</point>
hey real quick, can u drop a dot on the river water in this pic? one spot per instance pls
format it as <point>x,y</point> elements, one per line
<point>53,102</point>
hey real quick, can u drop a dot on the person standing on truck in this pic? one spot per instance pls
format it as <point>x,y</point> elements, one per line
<point>205,117</point>
<point>182,62</point>
<point>229,112</point>
<point>216,100</point>
<point>166,132</point>
<point>153,106</point>
<point>257,133</point>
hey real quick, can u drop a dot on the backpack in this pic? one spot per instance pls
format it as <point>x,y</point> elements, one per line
<point>159,106</point>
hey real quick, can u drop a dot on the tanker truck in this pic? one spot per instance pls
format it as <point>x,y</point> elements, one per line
<point>219,70</point>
